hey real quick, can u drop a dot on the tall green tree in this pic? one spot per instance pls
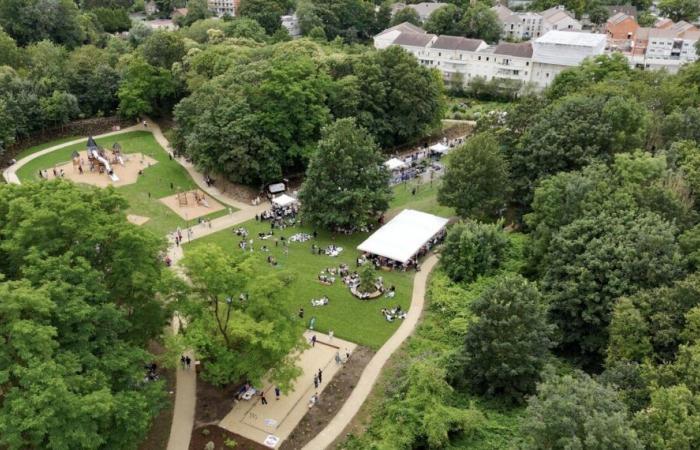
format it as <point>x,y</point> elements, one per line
<point>676,10</point>
<point>476,179</point>
<point>145,89</point>
<point>266,12</point>
<point>346,184</point>
<point>406,14</point>
<point>473,249</point>
<point>508,345</point>
<point>237,324</point>
<point>28,21</point>
<point>444,20</point>
<point>480,22</point>
<point>672,420</point>
<point>574,411</point>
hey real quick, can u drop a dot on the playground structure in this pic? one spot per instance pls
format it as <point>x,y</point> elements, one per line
<point>97,158</point>
<point>191,204</point>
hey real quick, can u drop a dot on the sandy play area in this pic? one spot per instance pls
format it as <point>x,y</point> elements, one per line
<point>271,424</point>
<point>127,174</point>
<point>137,220</point>
<point>193,208</point>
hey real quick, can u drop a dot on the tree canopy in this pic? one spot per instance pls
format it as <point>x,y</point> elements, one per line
<point>346,184</point>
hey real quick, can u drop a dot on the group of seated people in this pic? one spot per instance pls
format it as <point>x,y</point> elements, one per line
<point>246,392</point>
<point>328,275</point>
<point>392,314</point>
<point>151,374</point>
<point>299,237</point>
<point>280,216</point>
<point>240,231</point>
<point>271,260</point>
<point>333,250</point>
<point>266,235</point>
<point>319,301</point>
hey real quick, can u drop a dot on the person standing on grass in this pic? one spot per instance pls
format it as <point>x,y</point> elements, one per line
<point>277,392</point>
<point>301,313</point>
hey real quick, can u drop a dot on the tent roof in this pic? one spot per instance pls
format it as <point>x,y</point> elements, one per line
<point>404,235</point>
<point>283,200</point>
<point>439,147</point>
<point>276,188</point>
<point>394,163</point>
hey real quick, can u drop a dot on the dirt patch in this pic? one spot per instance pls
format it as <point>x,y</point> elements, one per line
<point>192,204</point>
<point>126,170</point>
<point>157,437</point>
<point>213,402</point>
<point>137,220</point>
<point>333,398</point>
<point>219,436</point>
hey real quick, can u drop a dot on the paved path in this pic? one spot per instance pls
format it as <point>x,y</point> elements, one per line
<point>196,176</point>
<point>10,174</point>
<point>369,376</point>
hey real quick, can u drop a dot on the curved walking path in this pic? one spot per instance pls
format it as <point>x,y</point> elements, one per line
<point>186,387</point>
<point>10,173</point>
<point>369,376</point>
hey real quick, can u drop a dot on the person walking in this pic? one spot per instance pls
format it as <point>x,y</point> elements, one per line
<point>313,340</point>
<point>182,361</point>
<point>263,400</point>
<point>315,381</point>
<point>320,376</point>
<point>188,361</point>
<point>277,392</point>
<point>337,358</point>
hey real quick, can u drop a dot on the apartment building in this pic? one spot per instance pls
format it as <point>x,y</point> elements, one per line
<point>223,7</point>
<point>529,25</point>
<point>536,62</point>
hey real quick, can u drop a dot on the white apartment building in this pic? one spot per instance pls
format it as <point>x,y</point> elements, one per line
<point>530,25</point>
<point>223,7</point>
<point>291,23</point>
<point>668,48</point>
<point>536,62</point>
<point>558,50</point>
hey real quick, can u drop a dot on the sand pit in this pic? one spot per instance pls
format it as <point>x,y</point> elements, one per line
<point>193,208</point>
<point>137,220</point>
<point>271,424</point>
<point>127,174</point>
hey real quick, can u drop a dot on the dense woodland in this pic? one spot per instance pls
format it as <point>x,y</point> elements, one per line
<point>577,326</point>
<point>580,330</point>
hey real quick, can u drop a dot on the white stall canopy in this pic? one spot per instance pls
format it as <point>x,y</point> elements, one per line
<point>404,235</point>
<point>439,148</point>
<point>283,200</point>
<point>394,164</point>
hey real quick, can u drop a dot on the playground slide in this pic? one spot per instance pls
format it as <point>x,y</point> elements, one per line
<point>108,167</point>
<point>121,160</point>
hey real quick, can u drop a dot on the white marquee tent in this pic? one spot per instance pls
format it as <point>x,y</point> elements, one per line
<point>404,235</point>
<point>283,200</point>
<point>439,148</point>
<point>394,164</point>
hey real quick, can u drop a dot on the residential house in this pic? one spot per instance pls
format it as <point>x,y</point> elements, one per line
<point>669,47</point>
<point>387,37</point>
<point>223,7</point>
<point>291,23</point>
<point>621,27</point>
<point>558,18</point>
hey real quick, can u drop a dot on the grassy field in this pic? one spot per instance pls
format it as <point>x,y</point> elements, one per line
<point>155,180</point>
<point>425,198</point>
<point>350,318</point>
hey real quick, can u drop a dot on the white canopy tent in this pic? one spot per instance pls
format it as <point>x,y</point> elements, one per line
<point>404,235</point>
<point>439,148</point>
<point>283,200</point>
<point>394,164</point>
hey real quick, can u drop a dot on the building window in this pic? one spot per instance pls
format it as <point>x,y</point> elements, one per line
<point>479,58</point>
<point>439,54</point>
<point>487,58</point>
<point>527,63</point>
<point>546,75</point>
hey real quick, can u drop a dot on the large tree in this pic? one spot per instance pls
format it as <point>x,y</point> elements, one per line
<point>508,344</point>
<point>346,184</point>
<point>266,12</point>
<point>480,22</point>
<point>574,411</point>
<point>473,249</point>
<point>680,9</point>
<point>672,420</point>
<point>79,298</point>
<point>30,21</point>
<point>237,324</point>
<point>406,14</point>
<point>598,258</point>
<point>476,178</point>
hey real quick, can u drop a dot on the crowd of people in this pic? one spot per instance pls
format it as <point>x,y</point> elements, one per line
<point>280,216</point>
<point>393,314</point>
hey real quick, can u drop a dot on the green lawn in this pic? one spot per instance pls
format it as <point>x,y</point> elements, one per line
<point>350,318</point>
<point>30,150</point>
<point>425,198</point>
<point>155,180</point>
